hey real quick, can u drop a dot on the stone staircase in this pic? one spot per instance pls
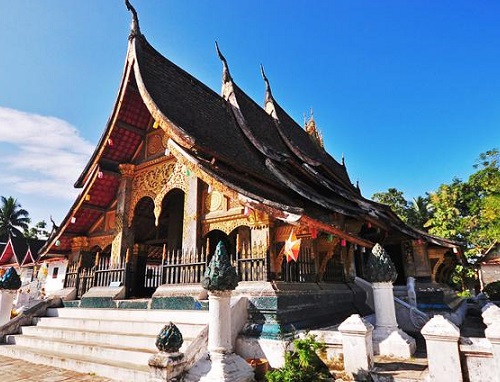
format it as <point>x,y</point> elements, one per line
<point>113,343</point>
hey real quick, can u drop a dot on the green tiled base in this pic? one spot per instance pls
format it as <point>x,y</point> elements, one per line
<point>71,304</point>
<point>97,302</point>
<point>131,304</point>
<point>178,303</point>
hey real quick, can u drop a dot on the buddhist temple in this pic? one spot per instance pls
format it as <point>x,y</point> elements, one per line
<point>180,168</point>
<point>20,253</point>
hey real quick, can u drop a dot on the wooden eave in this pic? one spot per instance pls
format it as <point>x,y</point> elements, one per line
<point>98,194</point>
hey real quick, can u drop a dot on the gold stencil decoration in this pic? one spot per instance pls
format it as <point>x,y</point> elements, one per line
<point>79,243</point>
<point>176,179</point>
<point>101,241</point>
<point>149,183</point>
<point>226,226</point>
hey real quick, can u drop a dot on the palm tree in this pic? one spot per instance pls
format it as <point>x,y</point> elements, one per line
<point>420,212</point>
<point>13,218</point>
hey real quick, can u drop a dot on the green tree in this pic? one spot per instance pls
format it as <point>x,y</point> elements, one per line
<point>38,231</point>
<point>470,212</point>
<point>13,218</point>
<point>419,212</point>
<point>394,199</point>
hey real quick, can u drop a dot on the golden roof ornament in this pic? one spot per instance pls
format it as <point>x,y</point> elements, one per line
<point>312,130</point>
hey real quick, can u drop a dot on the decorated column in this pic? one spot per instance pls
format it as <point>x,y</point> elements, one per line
<point>387,337</point>
<point>191,205</point>
<point>123,239</point>
<point>220,279</point>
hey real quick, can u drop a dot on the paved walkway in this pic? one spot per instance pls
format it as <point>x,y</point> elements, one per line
<point>14,370</point>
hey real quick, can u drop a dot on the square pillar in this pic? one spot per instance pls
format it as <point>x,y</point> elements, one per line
<point>441,337</point>
<point>357,346</point>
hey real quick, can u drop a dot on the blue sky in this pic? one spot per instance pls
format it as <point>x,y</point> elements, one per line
<point>409,91</point>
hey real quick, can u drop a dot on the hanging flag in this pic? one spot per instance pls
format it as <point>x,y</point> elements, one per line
<point>291,248</point>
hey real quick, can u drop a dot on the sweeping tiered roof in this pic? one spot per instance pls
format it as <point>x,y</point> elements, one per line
<point>261,154</point>
<point>19,251</point>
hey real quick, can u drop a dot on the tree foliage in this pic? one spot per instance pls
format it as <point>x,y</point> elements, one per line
<point>302,364</point>
<point>394,199</point>
<point>38,231</point>
<point>468,211</point>
<point>13,218</point>
<point>416,212</point>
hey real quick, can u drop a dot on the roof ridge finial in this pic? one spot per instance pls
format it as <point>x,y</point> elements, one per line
<point>269,94</point>
<point>343,159</point>
<point>135,30</point>
<point>226,76</point>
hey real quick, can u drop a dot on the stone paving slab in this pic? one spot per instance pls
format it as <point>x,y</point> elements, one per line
<point>14,370</point>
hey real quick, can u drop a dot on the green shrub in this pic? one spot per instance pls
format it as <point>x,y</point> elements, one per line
<point>492,290</point>
<point>302,364</point>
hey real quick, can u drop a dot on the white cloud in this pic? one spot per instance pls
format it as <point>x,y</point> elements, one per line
<point>45,155</point>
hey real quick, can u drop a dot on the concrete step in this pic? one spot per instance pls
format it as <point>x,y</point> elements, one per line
<point>115,326</point>
<point>143,315</point>
<point>388,369</point>
<point>119,370</point>
<point>140,341</point>
<point>113,343</point>
<point>95,350</point>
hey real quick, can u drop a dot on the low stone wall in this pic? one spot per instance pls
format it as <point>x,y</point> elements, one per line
<point>467,358</point>
<point>477,360</point>
<point>277,310</point>
<point>26,318</point>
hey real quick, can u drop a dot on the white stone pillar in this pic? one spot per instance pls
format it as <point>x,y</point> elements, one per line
<point>225,365</point>
<point>441,337</point>
<point>387,337</point>
<point>385,312</point>
<point>357,346</point>
<point>219,329</point>
<point>6,303</point>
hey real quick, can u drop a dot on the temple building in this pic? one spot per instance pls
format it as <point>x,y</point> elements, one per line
<point>20,253</point>
<point>180,168</point>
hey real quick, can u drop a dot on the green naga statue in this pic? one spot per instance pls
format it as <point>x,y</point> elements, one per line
<point>380,267</point>
<point>220,274</point>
